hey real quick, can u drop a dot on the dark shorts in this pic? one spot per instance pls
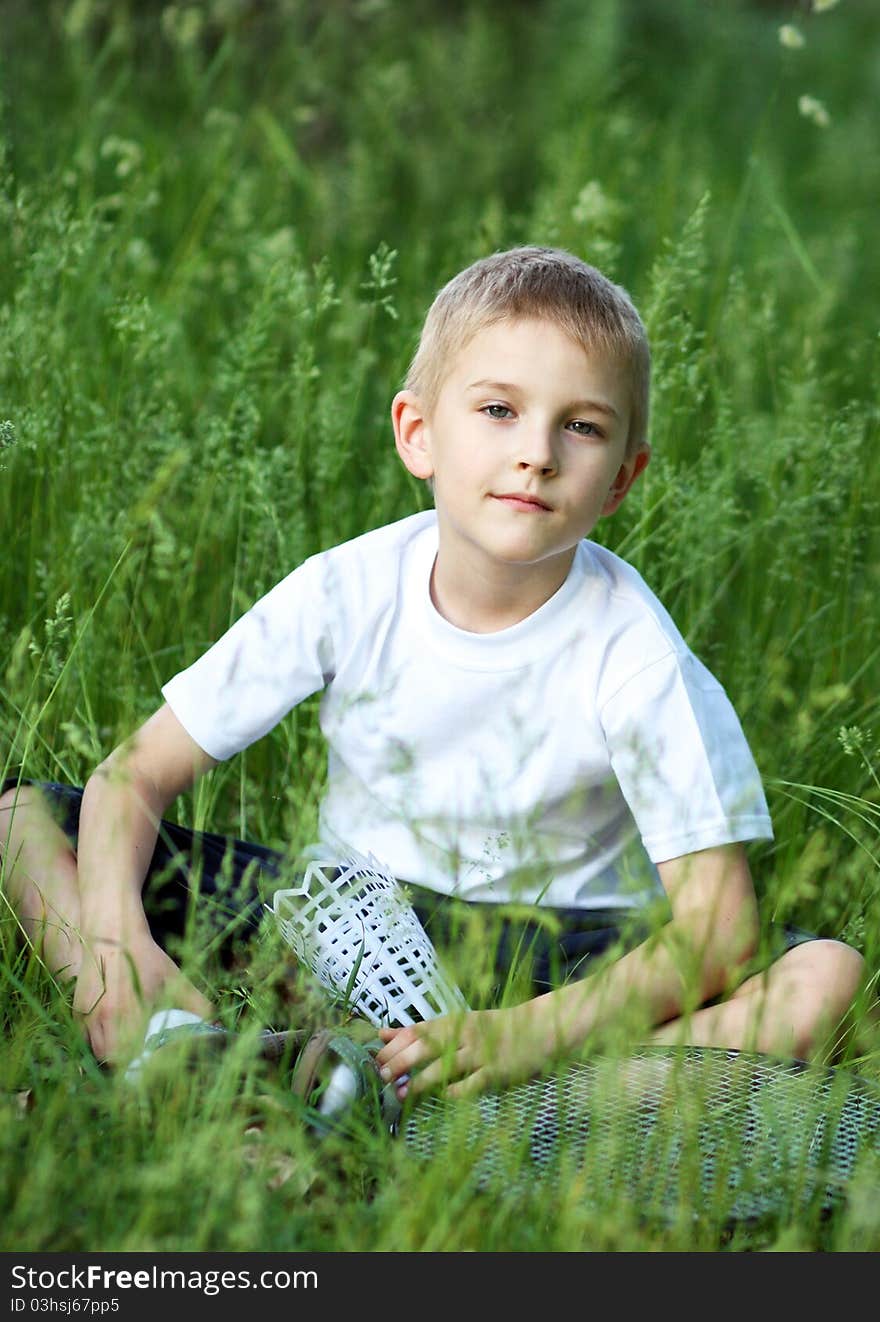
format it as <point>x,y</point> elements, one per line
<point>209,886</point>
<point>216,887</point>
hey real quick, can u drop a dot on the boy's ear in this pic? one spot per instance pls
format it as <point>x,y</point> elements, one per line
<point>411,433</point>
<point>627,473</point>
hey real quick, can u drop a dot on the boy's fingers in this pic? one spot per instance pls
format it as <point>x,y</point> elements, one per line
<point>388,1053</point>
<point>94,1039</point>
<point>404,1056</point>
<point>396,1040</point>
<point>437,1074</point>
<point>428,1065</point>
<point>103,1044</point>
<point>400,1062</point>
<point>469,1086</point>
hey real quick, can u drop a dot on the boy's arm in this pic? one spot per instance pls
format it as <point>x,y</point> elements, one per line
<point>123,969</point>
<point>714,929</point>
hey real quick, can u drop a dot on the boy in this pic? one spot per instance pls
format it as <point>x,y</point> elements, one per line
<point>511,717</point>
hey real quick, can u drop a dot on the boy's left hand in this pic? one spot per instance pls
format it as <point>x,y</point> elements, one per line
<point>464,1054</point>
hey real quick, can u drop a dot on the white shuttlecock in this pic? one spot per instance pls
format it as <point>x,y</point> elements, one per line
<point>350,923</point>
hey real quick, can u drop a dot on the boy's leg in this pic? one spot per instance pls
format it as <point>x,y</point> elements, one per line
<point>39,878</point>
<point>795,1008</point>
<point>38,838</point>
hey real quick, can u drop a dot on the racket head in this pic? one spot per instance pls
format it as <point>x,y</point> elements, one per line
<point>673,1131</point>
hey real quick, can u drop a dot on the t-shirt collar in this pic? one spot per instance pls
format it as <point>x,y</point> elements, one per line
<point>544,631</point>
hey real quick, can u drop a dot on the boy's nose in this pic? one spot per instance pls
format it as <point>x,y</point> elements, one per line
<point>538,451</point>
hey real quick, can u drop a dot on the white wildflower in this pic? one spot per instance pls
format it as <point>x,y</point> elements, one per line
<point>819,6</point>
<point>791,37</point>
<point>811,108</point>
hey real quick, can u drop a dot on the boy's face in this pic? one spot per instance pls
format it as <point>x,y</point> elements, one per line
<point>527,446</point>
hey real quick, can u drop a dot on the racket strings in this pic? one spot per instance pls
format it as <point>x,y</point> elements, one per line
<point>668,1127</point>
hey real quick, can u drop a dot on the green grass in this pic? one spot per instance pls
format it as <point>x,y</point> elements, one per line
<point>220,226</point>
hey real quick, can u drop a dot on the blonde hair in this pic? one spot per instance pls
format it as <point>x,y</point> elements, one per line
<point>535,282</point>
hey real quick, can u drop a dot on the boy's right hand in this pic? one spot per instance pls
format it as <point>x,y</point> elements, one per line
<point>118,987</point>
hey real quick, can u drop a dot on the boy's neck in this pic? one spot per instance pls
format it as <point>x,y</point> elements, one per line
<point>480,601</point>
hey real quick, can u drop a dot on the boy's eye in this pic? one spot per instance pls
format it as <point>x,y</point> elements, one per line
<point>582,428</point>
<point>497,411</point>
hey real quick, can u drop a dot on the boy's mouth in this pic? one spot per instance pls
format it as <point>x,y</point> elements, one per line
<point>521,500</point>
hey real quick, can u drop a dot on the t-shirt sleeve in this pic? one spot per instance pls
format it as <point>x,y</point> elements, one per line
<point>682,761</point>
<point>273,657</point>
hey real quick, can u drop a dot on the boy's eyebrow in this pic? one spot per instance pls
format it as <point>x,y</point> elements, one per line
<point>506,388</point>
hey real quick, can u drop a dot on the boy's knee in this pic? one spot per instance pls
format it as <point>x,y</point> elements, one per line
<point>18,794</point>
<point>13,801</point>
<point>10,801</point>
<point>820,983</point>
<point>845,960</point>
<point>836,969</point>
<point>21,808</point>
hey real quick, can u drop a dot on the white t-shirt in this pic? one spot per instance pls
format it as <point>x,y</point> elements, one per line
<point>552,762</point>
